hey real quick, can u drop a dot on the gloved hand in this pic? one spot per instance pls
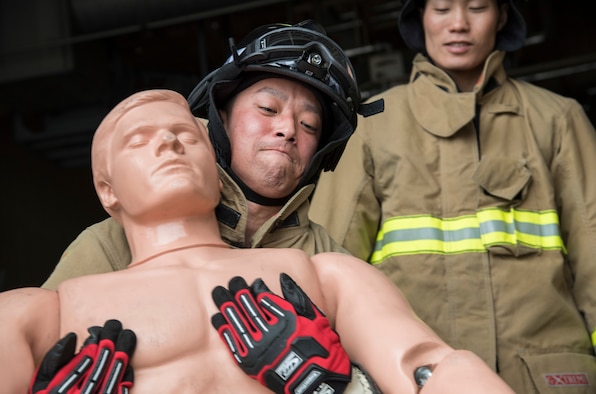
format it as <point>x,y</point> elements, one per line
<point>102,365</point>
<point>282,343</point>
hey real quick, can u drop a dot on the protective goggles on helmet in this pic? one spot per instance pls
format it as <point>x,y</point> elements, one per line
<point>304,54</point>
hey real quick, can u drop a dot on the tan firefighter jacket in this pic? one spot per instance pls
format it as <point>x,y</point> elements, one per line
<point>102,247</point>
<point>481,207</point>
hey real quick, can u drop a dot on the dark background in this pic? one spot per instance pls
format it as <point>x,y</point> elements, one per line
<point>65,63</point>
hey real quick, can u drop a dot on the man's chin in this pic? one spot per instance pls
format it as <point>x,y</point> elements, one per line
<point>275,190</point>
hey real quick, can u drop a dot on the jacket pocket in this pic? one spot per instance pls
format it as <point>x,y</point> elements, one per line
<point>569,373</point>
<point>505,180</point>
<point>503,177</point>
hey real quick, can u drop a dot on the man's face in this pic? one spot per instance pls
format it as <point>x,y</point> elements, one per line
<point>460,34</point>
<point>274,127</point>
<point>162,163</point>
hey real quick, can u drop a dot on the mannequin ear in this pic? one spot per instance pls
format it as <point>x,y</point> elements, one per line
<point>220,186</point>
<point>106,196</point>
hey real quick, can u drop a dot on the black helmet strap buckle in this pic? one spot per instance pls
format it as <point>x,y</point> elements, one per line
<point>312,64</point>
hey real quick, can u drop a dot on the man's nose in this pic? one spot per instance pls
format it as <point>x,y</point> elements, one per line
<point>286,128</point>
<point>459,20</point>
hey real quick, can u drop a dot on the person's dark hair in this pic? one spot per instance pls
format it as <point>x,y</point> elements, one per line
<point>511,37</point>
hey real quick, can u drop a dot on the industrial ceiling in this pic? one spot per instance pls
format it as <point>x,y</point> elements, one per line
<point>64,63</point>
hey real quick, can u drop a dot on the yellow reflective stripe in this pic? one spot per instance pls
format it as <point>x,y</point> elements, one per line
<point>594,338</point>
<point>421,221</point>
<point>538,230</point>
<point>426,246</point>
<point>423,234</point>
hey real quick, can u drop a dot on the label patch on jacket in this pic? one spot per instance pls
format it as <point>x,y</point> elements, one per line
<point>566,379</point>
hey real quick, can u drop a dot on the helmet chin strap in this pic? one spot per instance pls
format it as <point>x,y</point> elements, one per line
<point>255,197</point>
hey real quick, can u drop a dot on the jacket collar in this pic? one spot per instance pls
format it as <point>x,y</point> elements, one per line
<point>437,104</point>
<point>232,213</point>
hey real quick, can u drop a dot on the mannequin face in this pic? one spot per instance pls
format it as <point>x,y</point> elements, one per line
<point>460,34</point>
<point>274,127</point>
<point>161,163</point>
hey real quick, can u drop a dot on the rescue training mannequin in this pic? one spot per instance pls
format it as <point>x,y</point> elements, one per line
<point>475,194</point>
<point>155,172</point>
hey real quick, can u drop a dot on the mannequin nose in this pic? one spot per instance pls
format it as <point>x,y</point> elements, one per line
<point>169,137</point>
<point>169,141</point>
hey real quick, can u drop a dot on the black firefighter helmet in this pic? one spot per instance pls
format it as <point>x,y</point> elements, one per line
<point>301,52</point>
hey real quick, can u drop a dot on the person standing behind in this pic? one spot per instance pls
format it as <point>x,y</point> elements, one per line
<point>475,194</point>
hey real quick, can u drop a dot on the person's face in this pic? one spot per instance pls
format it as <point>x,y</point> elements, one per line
<point>274,127</point>
<point>159,157</point>
<point>460,34</point>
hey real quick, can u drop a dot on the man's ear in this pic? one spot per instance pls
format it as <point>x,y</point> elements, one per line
<point>503,13</point>
<point>106,196</point>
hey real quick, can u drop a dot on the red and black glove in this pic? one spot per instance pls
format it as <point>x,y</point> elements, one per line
<point>102,365</point>
<point>285,344</point>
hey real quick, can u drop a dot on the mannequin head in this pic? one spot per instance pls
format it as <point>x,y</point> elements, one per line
<point>148,154</point>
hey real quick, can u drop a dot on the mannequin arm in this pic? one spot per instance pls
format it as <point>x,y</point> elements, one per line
<point>29,326</point>
<point>463,372</point>
<point>380,331</point>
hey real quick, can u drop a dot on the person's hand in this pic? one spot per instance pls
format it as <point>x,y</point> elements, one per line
<point>101,366</point>
<point>285,343</point>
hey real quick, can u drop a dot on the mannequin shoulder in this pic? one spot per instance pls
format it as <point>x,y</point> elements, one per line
<point>27,300</point>
<point>31,313</point>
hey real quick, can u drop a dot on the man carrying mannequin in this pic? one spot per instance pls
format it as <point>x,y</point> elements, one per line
<point>261,205</point>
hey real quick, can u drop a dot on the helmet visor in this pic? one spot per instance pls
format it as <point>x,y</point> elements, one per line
<point>304,53</point>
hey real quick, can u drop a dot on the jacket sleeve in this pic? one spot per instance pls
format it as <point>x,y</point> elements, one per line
<point>344,202</point>
<point>575,187</point>
<point>100,248</point>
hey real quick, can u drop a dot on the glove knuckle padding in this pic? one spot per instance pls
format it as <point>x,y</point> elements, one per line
<point>265,350</point>
<point>297,350</point>
<point>118,370</point>
<point>58,356</point>
<point>101,366</point>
